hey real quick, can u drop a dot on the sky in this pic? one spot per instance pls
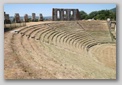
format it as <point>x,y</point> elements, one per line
<point>46,9</point>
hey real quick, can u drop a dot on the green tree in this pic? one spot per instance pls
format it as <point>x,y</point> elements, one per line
<point>92,14</point>
<point>102,15</point>
<point>83,15</point>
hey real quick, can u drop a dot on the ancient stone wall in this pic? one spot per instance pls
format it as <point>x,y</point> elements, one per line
<point>26,18</point>
<point>17,18</point>
<point>65,14</point>
<point>33,16</point>
<point>40,17</point>
<point>6,19</point>
<point>4,15</point>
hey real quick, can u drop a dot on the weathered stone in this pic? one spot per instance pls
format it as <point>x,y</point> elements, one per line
<point>17,18</point>
<point>65,14</point>
<point>40,17</point>
<point>7,16</point>
<point>6,19</point>
<point>33,16</point>
<point>4,15</point>
<point>26,18</point>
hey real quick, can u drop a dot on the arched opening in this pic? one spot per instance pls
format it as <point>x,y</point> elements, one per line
<point>65,15</point>
<point>71,13</point>
<point>58,15</point>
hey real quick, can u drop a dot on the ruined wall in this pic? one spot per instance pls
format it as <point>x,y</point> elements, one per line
<point>65,14</point>
<point>40,17</point>
<point>33,16</point>
<point>17,18</point>
<point>6,19</point>
<point>26,18</point>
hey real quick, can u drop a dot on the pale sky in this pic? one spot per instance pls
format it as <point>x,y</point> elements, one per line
<point>46,9</point>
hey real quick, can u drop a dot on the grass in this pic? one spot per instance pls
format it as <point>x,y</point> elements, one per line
<point>62,60</point>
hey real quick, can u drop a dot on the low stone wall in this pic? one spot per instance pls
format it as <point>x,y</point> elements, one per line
<point>8,27</point>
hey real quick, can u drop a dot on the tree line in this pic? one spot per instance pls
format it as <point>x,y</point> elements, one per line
<point>98,15</point>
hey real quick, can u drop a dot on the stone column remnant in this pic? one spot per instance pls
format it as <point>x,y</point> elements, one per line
<point>40,17</point>
<point>68,14</point>
<point>62,14</point>
<point>6,19</point>
<point>17,18</point>
<point>33,16</point>
<point>4,15</point>
<point>77,15</point>
<point>55,15</point>
<point>26,18</point>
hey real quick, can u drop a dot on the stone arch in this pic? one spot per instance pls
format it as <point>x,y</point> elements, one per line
<point>65,15</point>
<point>58,14</point>
<point>71,15</point>
<point>71,12</point>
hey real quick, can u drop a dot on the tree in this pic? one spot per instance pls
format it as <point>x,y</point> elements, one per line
<point>92,14</point>
<point>101,15</point>
<point>83,15</point>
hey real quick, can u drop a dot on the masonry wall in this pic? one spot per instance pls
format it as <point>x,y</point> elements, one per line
<point>26,18</point>
<point>33,16</point>
<point>65,14</point>
<point>17,18</point>
<point>6,19</point>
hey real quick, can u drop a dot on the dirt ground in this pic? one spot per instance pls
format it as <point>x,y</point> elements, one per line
<point>26,58</point>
